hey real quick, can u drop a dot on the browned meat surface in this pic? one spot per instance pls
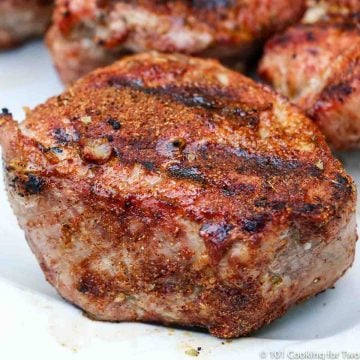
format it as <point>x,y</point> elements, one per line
<point>323,9</point>
<point>169,189</point>
<point>23,19</point>
<point>318,67</point>
<point>87,33</point>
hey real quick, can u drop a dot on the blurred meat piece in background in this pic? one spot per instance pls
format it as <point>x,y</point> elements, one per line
<point>87,33</point>
<point>23,19</point>
<point>317,66</point>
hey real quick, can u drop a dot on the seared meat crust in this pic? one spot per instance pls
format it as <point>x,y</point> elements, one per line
<point>169,189</point>
<point>318,67</point>
<point>23,19</point>
<point>89,34</point>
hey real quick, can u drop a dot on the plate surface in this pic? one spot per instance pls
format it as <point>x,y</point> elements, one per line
<point>36,321</point>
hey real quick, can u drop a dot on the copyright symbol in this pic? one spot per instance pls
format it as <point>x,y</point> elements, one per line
<point>262,355</point>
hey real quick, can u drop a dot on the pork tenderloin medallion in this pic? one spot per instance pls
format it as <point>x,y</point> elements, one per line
<point>88,33</point>
<point>170,189</point>
<point>317,66</point>
<point>23,19</point>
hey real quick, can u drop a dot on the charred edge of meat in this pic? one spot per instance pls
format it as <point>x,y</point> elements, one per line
<point>342,186</point>
<point>30,185</point>
<point>34,184</point>
<point>5,112</point>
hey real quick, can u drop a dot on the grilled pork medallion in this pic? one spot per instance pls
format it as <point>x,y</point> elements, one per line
<point>23,19</point>
<point>89,33</point>
<point>318,67</point>
<point>169,189</point>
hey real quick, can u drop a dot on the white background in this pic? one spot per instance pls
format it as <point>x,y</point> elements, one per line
<point>36,322</point>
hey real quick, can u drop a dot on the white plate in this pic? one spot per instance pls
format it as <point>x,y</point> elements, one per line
<point>35,321</point>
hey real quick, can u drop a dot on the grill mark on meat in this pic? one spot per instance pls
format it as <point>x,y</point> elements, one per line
<point>255,223</point>
<point>189,173</point>
<point>306,208</point>
<point>338,91</point>
<point>195,4</point>
<point>207,160</point>
<point>233,190</point>
<point>211,4</point>
<point>213,99</point>
<point>272,165</point>
<point>249,164</point>
<point>255,163</point>
<point>212,158</point>
<point>272,204</point>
